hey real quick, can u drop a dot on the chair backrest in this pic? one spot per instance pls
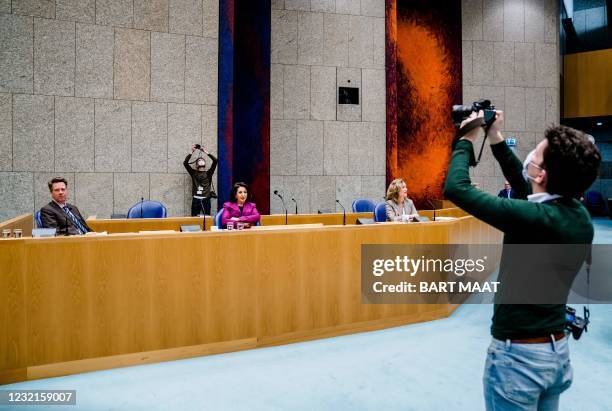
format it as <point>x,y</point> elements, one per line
<point>147,209</point>
<point>363,205</point>
<point>218,218</point>
<point>217,221</point>
<point>380,213</point>
<point>38,220</point>
<point>595,203</point>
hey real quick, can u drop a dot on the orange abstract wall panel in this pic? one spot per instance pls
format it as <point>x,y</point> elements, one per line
<point>423,53</point>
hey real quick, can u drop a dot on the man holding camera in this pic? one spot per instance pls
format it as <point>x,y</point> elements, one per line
<point>201,179</point>
<point>527,366</point>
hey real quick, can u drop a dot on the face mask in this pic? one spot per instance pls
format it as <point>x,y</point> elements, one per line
<point>528,160</point>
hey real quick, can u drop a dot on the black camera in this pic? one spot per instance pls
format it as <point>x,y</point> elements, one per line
<point>460,113</point>
<point>574,324</point>
<point>197,146</point>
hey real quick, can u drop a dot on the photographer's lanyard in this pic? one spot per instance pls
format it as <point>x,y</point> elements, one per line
<point>477,122</point>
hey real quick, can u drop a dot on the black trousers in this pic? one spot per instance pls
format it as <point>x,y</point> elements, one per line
<point>200,205</point>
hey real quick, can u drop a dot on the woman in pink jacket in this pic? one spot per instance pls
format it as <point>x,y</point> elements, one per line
<point>240,209</point>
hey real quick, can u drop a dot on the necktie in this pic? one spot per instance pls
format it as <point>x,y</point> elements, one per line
<point>75,220</point>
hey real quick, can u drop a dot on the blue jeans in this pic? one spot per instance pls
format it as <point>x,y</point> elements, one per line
<point>526,376</point>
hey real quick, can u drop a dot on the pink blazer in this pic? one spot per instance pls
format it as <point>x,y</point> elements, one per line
<point>249,213</point>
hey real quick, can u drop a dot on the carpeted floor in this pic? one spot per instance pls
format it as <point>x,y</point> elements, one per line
<point>431,366</point>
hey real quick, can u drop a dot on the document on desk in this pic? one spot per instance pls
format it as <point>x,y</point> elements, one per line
<point>445,218</point>
<point>283,227</point>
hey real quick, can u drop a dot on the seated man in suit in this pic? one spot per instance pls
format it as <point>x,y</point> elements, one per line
<point>61,215</point>
<point>507,192</point>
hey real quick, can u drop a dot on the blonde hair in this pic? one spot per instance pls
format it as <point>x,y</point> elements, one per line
<point>394,189</point>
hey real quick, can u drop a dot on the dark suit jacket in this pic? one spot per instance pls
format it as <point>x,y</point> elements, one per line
<point>53,216</point>
<point>504,193</point>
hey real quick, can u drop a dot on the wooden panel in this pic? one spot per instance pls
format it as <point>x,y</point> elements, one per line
<point>587,84</point>
<point>117,295</point>
<point>439,204</point>
<point>13,318</point>
<point>444,212</point>
<point>74,304</point>
<point>326,219</point>
<point>25,222</point>
<point>134,225</point>
<point>140,358</point>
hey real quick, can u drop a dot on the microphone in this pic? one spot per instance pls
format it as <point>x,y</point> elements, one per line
<point>141,203</point>
<point>293,199</point>
<point>284,206</point>
<point>344,212</point>
<point>203,211</point>
<point>433,207</point>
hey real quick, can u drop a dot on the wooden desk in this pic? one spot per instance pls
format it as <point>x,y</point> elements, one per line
<point>441,204</point>
<point>325,219</point>
<point>76,304</point>
<point>285,227</point>
<point>24,222</point>
<point>134,225</point>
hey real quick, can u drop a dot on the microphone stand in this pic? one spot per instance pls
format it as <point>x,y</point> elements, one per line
<point>284,206</point>
<point>344,212</point>
<point>296,210</point>
<point>204,215</point>
<point>433,207</point>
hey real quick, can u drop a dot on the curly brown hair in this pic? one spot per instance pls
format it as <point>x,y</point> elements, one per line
<point>571,161</point>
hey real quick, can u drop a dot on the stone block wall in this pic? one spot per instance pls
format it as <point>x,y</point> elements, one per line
<point>112,93</point>
<point>511,56</point>
<point>107,93</point>
<point>321,151</point>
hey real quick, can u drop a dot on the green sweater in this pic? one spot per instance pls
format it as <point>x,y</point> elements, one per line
<point>560,221</point>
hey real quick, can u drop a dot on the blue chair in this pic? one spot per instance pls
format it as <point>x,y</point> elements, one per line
<point>363,205</point>
<point>595,203</point>
<point>380,213</point>
<point>147,209</point>
<point>218,218</point>
<point>38,220</point>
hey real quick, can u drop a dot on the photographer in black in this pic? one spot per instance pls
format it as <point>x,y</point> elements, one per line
<point>527,366</point>
<point>201,179</point>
